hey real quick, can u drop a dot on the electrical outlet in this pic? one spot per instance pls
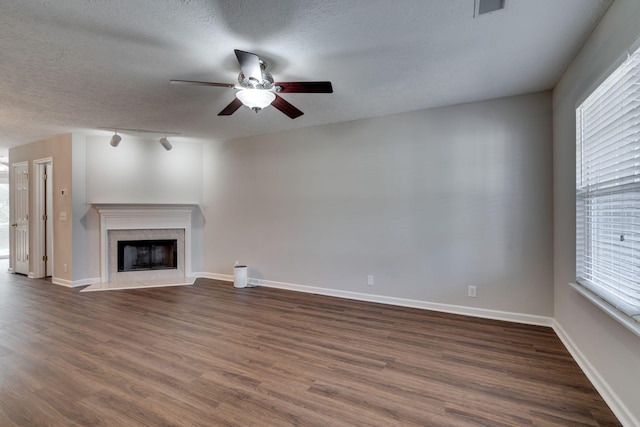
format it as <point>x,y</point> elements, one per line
<point>64,267</point>
<point>370,280</point>
<point>472,291</point>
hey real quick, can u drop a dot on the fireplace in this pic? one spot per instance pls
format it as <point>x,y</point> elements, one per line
<point>145,254</point>
<point>141,255</point>
<point>144,243</point>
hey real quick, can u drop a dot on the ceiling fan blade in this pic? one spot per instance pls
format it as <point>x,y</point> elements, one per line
<point>286,107</point>
<point>191,82</point>
<point>231,108</point>
<point>249,64</point>
<point>305,87</point>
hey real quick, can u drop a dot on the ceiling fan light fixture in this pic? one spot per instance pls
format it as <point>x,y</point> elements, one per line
<point>256,99</point>
<point>115,140</point>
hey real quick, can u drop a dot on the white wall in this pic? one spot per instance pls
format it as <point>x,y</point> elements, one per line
<point>428,202</point>
<point>608,351</point>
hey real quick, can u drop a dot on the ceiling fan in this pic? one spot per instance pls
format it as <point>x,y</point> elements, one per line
<point>257,90</point>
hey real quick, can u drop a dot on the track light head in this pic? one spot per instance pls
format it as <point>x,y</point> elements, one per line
<point>165,143</point>
<point>115,140</point>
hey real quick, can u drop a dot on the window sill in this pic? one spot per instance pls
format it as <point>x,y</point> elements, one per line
<point>616,314</point>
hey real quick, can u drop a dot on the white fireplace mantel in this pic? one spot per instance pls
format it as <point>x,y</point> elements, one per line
<point>143,216</point>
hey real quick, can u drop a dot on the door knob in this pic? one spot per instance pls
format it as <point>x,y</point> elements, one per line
<point>14,225</point>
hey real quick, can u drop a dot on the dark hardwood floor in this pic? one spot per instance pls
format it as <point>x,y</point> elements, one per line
<point>213,355</point>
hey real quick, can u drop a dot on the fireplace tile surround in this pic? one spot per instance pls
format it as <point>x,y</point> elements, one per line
<point>138,222</point>
<point>114,236</point>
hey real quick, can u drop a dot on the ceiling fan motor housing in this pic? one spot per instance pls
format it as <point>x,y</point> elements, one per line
<point>252,83</point>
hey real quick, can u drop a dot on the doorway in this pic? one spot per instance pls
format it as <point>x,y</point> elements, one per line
<point>4,209</point>
<point>43,239</point>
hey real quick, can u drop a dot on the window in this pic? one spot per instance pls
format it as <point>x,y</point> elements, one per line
<point>608,190</point>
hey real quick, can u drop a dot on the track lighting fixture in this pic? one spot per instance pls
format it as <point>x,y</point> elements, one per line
<point>115,140</point>
<point>165,143</point>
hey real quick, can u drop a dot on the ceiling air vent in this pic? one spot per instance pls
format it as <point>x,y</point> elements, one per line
<point>488,6</point>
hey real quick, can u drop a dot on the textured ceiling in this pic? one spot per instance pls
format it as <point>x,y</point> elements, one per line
<point>71,65</point>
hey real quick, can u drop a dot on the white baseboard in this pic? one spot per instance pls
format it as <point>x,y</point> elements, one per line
<point>74,283</point>
<point>619,409</point>
<point>403,302</point>
<point>529,319</point>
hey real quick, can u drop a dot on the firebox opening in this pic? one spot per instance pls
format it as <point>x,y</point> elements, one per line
<point>138,255</point>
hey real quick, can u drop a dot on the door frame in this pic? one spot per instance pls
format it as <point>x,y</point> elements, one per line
<point>43,190</point>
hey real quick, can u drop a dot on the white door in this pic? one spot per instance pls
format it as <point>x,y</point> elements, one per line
<point>21,217</point>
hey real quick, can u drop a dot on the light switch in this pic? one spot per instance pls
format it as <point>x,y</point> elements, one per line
<point>63,216</point>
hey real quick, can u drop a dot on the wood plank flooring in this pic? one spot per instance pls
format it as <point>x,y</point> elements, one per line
<point>209,355</point>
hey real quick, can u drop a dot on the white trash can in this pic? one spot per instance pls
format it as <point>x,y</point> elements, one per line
<point>240,276</point>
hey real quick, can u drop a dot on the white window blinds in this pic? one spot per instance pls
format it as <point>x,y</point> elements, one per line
<point>608,189</point>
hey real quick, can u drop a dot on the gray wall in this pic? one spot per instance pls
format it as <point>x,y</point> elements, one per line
<point>138,171</point>
<point>141,171</point>
<point>428,202</point>
<point>610,350</point>
<point>59,148</point>
<point>83,263</point>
